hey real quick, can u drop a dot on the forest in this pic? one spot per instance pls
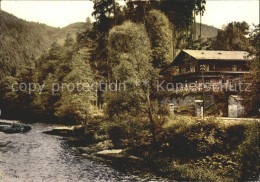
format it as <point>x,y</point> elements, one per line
<point>134,45</point>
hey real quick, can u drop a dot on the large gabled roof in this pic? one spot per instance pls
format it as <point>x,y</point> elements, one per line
<point>213,55</point>
<point>217,55</point>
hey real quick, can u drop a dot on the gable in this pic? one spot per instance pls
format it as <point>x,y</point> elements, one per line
<point>181,58</point>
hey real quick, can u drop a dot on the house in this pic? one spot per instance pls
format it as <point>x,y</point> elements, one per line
<point>202,71</point>
<point>213,68</point>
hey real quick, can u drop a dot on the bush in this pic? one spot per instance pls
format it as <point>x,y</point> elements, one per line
<point>248,153</point>
<point>234,135</point>
<point>193,149</point>
<point>222,165</point>
<point>193,172</point>
<point>116,133</point>
<point>209,149</point>
<point>190,137</point>
<point>193,138</point>
<point>128,131</point>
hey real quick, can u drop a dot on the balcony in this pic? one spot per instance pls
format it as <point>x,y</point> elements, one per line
<point>199,87</point>
<point>208,74</point>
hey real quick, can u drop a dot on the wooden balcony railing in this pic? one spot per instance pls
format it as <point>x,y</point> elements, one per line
<point>208,74</point>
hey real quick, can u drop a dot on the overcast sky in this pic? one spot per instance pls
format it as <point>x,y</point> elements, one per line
<point>62,13</point>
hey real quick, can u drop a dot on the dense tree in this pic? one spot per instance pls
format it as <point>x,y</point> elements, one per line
<point>130,50</point>
<point>104,14</point>
<point>158,28</point>
<point>233,37</point>
<point>137,10</point>
<point>56,69</point>
<point>15,99</point>
<point>76,104</point>
<point>251,98</point>
<point>254,40</point>
<point>69,41</point>
<point>181,13</point>
<point>8,97</point>
<point>22,41</point>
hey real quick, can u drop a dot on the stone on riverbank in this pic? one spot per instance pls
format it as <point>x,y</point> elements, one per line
<point>64,130</point>
<point>117,153</point>
<point>112,151</point>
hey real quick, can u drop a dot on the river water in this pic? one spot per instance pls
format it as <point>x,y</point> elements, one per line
<point>35,156</point>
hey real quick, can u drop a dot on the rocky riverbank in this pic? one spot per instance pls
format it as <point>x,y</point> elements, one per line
<point>187,149</point>
<point>101,149</point>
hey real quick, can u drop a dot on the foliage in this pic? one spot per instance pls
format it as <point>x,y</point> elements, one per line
<point>193,138</point>
<point>224,166</point>
<point>128,131</point>
<point>76,105</point>
<point>8,96</point>
<point>209,149</point>
<point>160,34</point>
<point>136,10</point>
<point>130,53</point>
<point>220,107</point>
<point>67,63</point>
<point>247,155</point>
<point>16,103</point>
<point>103,12</point>
<point>192,172</point>
<point>107,14</point>
<point>251,98</point>
<point>129,44</point>
<point>181,15</point>
<point>23,41</point>
<point>232,38</point>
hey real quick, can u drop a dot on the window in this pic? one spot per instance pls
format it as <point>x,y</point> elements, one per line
<point>183,70</point>
<point>192,68</point>
<point>212,67</point>
<point>207,67</point>
<point>234,67</point>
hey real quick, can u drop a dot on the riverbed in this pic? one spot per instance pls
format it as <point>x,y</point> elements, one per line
<point>36,157</point>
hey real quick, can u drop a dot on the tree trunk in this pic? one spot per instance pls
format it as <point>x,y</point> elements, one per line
<point>150,113</point>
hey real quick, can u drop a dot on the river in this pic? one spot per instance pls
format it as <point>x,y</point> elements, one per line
<point>37,157</point>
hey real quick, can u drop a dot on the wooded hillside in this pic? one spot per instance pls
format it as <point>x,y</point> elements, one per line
<point>22,41</point>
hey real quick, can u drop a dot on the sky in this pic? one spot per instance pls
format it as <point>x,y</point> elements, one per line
<point>62,13</point>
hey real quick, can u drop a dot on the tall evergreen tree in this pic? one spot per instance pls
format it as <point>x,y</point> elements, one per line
<point>104,14</point>
<point>181,14</point>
